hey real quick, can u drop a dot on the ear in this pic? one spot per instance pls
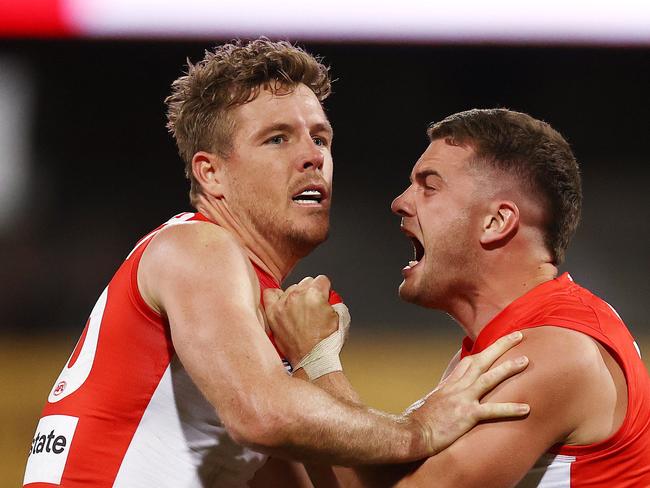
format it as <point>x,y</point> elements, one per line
<point>207,169</point>
<point>501,224</point>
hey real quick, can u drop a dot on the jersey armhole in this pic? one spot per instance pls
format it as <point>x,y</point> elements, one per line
<point>134,290</point>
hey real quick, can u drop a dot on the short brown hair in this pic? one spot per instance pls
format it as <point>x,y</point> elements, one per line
<point>533,151</point>
<point>231,75</point>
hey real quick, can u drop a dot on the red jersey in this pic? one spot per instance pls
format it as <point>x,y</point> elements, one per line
<point>622,460</point>
<point>125,413</point>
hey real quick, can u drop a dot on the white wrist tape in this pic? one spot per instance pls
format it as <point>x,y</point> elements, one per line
<point>324,357</point>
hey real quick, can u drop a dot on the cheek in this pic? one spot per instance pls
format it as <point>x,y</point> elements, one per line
<point>328,169</point>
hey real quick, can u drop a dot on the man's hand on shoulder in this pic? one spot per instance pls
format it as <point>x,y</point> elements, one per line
<point>567,389</point>
<point>454,407</point>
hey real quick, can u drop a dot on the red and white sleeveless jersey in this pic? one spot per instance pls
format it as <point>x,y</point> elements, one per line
<point>622,460</point>
<point>124,412</point>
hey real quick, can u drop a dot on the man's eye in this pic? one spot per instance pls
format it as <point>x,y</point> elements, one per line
<point>428,189</point>
<point>320,141</point>
<point>275,140</point>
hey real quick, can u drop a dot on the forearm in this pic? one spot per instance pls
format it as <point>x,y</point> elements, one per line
<point>327,476</point>
<point>310,424</point>
<point>373,476</point>
<point>336,384</point>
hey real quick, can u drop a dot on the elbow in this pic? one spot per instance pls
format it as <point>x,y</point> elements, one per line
<point>263,428</point>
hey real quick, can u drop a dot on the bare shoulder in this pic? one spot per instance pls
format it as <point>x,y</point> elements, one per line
<point>560,348</point>
<point>192,256</point>
<point>572,381</point>
<point>572,398</point>
<point>557,350</point>
<point>560,359</point>
<point>191,241</point>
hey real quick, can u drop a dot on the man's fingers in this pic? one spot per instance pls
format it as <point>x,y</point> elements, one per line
<point>323,284</point>
<point>488,380</point>
<point>482,361</point>
<point>489,411</point>
<point>459,370</point>
<point>292,288</point>
<point>306,280</point>
<point>315,297</point>
<point>271,295</point>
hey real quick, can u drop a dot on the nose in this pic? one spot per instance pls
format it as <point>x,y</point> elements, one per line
<point>312,157</point>
<point>402,205</point>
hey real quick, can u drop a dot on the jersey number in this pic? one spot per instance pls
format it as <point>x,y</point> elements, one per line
<point>81,361</point>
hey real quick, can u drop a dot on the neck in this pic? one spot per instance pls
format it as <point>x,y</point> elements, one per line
<point>267,256</point>
<point>495,289</point>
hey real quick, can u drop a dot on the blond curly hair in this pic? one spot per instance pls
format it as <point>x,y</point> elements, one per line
<point>199,106</point>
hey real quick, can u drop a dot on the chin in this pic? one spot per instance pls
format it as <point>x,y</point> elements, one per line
<point>407,294</point>
<point>411,294</point>
<point>304,242</point>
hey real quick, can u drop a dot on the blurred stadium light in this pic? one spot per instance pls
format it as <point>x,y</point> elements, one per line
<point>624,22</point>
<point>15,117</point>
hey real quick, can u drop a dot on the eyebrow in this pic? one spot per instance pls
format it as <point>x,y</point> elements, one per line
<point>276,127</point>
<point>284,127</point>
<point>421,175</point>
<point>324,126</point>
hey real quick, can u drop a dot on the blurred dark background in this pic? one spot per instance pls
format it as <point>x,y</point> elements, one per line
<point>99,169</point>
<point>87,166</point>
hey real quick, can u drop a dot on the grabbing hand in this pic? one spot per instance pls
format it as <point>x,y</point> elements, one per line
<point>303,323</point>
<point>454,407</point>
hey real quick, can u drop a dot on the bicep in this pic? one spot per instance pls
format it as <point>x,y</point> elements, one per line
<point>207,290</point>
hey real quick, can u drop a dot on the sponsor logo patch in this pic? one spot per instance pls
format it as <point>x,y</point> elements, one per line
<point>58,389</point>
<point>48,453</point>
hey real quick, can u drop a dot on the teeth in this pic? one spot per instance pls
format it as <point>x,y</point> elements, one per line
<point>309,193</point>
<point>308,197</point>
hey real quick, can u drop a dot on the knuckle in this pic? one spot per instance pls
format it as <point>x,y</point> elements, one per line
<point>323,278</point>
<point>312,296</point>
<point>471,412</point>
<point>485,380</point>
<point>485,411</point>
<point>292,298</point>
<point>503,370</point>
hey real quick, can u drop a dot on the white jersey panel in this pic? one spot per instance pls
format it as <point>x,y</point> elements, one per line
<point>550,471</point>
<point>181,443</point>
<point>72,377</point>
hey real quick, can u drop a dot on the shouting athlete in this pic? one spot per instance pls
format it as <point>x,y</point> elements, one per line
<point>492,205</point>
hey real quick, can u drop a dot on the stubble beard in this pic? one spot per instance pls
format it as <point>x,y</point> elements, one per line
<point>284,235</point>
<point>447,273</point>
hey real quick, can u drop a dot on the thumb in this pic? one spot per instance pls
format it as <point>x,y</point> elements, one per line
<point>270,296</point>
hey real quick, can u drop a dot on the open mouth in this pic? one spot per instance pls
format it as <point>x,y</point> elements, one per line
<point>309,197</point>
<point>418,251</point>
